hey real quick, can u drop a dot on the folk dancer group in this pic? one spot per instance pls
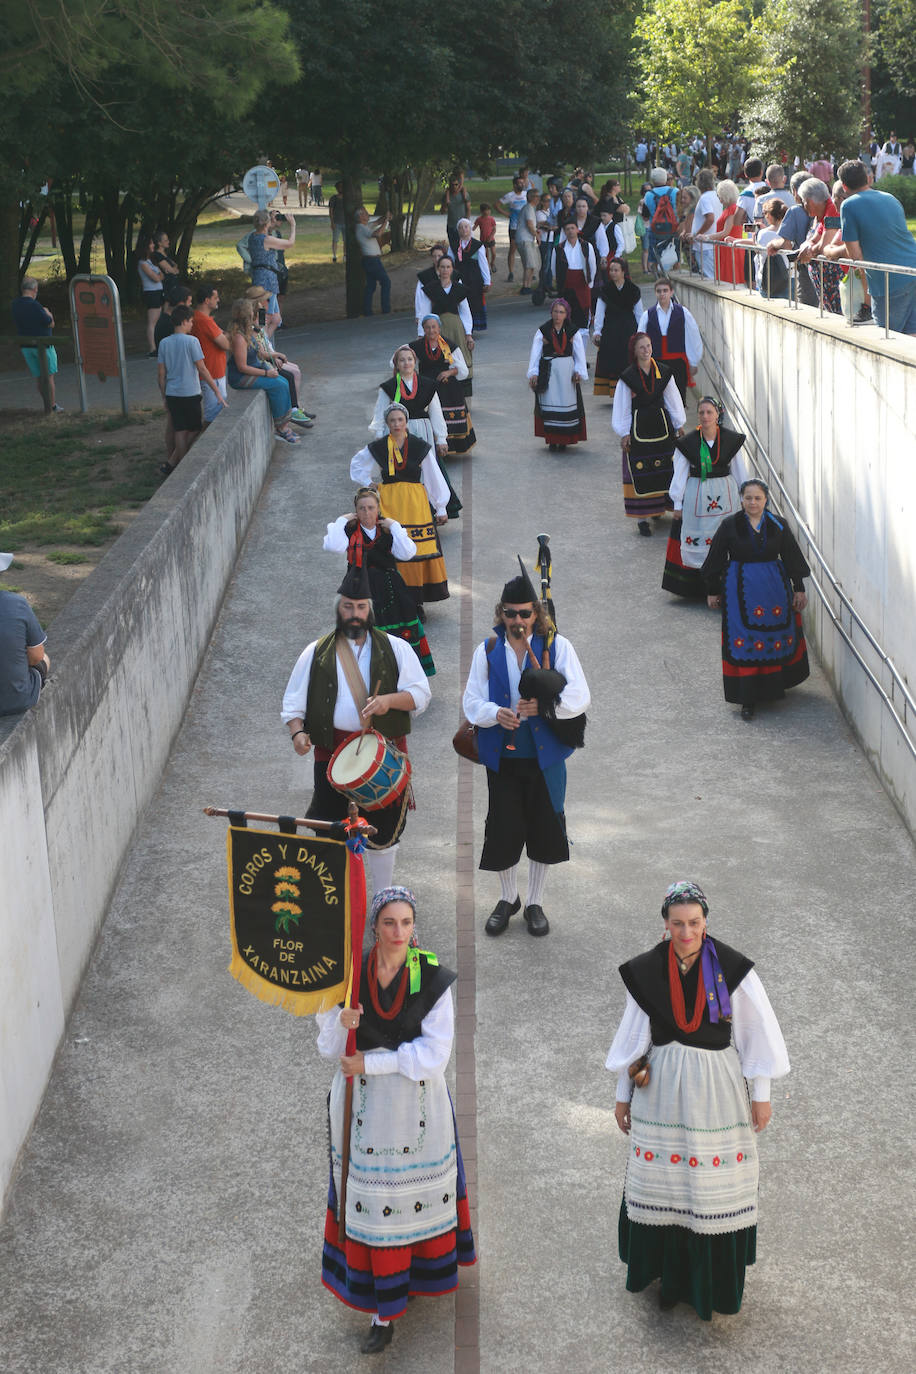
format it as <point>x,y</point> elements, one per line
<point>697,1021</point>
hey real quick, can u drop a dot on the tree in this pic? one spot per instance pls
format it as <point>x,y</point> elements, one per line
<point>696,60</point>
<point>896,20</point>
<point>815,105</point>
<point>95,70</point>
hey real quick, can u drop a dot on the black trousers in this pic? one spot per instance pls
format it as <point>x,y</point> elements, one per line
<point>521,816</point>
<point>328,804</point>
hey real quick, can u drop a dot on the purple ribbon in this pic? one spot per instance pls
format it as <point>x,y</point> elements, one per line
<point>718,1002</point>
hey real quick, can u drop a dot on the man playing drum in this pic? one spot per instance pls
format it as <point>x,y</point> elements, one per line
<point>521,741</point>
<point>341,682</point>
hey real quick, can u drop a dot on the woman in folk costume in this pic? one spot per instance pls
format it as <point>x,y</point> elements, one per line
<point>556,366</point>
<point>446,367</point>
<point>708,468</point>
<point>616,315</point>
<point>473,272</point>
<point>428,276</point>
<point>697,1032</point>
<point>756,573</point>
<point>413,492</point>
<point>648,414</point>
<point>574,264</point>
<point>408,1224</point>
<point>419,397</point>
<point>446,298</point>
<point>376,544</point>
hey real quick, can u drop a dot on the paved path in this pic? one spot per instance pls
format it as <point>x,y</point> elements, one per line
<point>167,1215</point>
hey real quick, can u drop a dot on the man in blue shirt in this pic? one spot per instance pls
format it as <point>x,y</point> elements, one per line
<point>516,200</point>
<point>874,229</point>
<point>32,319</point>
<point>24,665</point>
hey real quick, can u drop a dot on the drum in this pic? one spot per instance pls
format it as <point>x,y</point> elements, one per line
<point>369,769</point>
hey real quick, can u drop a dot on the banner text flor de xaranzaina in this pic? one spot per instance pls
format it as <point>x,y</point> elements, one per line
<point>289,899</point>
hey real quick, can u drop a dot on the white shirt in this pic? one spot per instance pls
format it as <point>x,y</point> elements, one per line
<point>337,541</point>
<point>411,678</point>
<point>369,245</point>
<point>423,306</point>
<point>481,711</point>
<point>379,429</point>
<point>415,1059</point>
<point>578,353</point>
<point>364,470</point>
<point>708,204</point>
<point>622,413</point>
<point>757,1038</point>
<point>693,344</point>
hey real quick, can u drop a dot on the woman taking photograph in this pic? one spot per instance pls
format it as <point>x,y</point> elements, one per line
<point>246,370</point>
<point>265,267</point>
<point>755,572</point>
<point>413,492</point>
<point>648,414</point>
<point>419,398</point>
<point>556,366</point>
<point>707,470</point>
<point>617,315</point>
<point>377,545</point>
<point>697,1032</point>
<point>408,1224</point>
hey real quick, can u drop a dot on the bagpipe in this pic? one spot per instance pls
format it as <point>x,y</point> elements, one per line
<point>543,681</point>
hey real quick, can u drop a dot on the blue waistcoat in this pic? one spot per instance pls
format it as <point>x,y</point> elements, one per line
<point>490,739</point>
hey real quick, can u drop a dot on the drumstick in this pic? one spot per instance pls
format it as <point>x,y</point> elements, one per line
<point>368,724</point>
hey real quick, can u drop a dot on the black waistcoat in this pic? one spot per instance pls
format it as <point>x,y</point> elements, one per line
<point>729,444</point>
<point>646,980</point>
<point>375,1032</point>
<point>417,407</point>
<point>417,450</point>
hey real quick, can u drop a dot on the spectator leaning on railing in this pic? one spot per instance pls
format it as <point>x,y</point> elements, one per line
<point>24,665</point>
<point>874,229</point>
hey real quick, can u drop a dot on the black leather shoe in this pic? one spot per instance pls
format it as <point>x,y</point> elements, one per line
<point>378,1339</point>
<point>498,918</point>
<point>536,921</point>
<point>665,1303</point>
<point>747,712</point>
<point>644,528</point>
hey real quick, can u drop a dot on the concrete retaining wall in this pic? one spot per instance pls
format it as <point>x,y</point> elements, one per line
<point>78,770</point>
<point>835,409</point>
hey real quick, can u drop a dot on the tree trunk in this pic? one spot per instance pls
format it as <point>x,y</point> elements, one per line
<point>352,198</point>
<point>29,248</point>
<point>63,210</point>
<point>90,229</point>
<point>9,247</point>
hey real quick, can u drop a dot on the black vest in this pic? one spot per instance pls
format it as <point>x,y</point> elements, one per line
<point>646,980</point>
<point>417,407</point>
<point>417,450</point>
<point>375,1032</point>
<point>729,444</point>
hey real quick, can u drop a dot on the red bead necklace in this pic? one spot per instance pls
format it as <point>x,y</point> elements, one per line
<point>398,1003</point>
<point>677,995</point>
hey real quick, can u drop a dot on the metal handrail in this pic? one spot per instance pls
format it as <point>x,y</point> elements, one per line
<point>899,685</point>
<point>748,246</point>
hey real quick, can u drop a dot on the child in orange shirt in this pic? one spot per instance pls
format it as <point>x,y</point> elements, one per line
<point>487,226</point>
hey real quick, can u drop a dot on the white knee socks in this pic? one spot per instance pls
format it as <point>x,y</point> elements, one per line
<point>508,883</point>
<point>381,866</point>
<point>537,877</point>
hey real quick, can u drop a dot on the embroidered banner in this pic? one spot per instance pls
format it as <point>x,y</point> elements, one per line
<point>289,900</point>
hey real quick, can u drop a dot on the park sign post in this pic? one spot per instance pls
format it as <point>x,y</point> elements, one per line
<point>261,184</point>
<point>98,338</point>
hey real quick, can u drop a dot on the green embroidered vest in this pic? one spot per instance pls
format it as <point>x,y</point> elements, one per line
<point>322,693</point>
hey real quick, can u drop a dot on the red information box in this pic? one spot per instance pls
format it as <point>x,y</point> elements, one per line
<point>97,318</point>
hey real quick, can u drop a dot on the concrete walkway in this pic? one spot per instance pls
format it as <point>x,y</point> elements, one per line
<point>167,1215</point>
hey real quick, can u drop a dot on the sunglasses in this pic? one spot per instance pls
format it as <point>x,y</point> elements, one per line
<point>510,612</point>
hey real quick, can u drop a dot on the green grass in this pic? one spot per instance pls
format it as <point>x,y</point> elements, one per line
<point>67,487</point>
<point>66,560</point>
